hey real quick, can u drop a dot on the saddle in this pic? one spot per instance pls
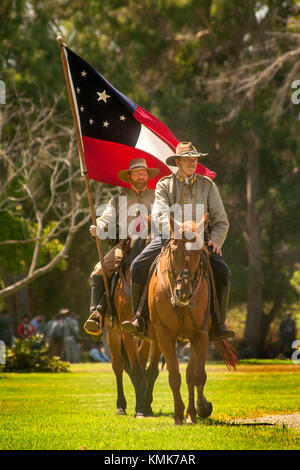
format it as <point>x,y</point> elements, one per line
<point>129,254</point>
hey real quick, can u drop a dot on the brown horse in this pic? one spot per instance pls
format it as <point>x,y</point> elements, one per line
<point>130,354</point>
<point>179,308</point>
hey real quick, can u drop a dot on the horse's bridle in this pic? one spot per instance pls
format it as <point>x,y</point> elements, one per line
<point>184,275</point>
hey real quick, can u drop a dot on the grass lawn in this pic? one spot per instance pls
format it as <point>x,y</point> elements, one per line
<point>77,410</point>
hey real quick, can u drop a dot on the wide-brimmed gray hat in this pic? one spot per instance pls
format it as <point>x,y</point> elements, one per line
<point>137,164</point>
<point>185,149</point>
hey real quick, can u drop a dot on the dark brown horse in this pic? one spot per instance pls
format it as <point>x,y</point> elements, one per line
<point>130,354</point>
<point>178,302</point>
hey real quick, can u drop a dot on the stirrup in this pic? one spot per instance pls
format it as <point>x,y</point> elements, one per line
<point>135,327</point>
<point>93,324</point>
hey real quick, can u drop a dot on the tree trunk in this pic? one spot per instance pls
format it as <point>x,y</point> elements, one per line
<point>18,303</point>
<point>254,298</point>
<point>267,320</point>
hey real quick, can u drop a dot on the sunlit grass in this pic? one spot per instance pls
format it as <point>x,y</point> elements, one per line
<point>78,410</point>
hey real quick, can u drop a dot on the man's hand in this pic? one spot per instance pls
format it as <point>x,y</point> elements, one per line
<point>93,230</point>
<point>215,248</point>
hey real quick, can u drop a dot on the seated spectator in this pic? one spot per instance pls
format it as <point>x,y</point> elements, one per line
<point>97,353</point>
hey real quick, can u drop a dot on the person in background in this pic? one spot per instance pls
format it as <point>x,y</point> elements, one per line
<point>38,323</point>
<point>54,336</point>
<point>6,329</point>
<point>287,334</point>
<point>76,334</point>
<point>70,336</point>
<point>25,328</point>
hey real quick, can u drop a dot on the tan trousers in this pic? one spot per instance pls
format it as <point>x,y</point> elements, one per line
<point>112,260</point>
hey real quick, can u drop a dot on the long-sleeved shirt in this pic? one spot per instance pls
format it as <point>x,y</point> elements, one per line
<point>199,189</point>
<point>120,217</point>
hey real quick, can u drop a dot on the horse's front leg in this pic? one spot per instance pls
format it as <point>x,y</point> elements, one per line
<point>167,346</point>
<point>114,342</point>
<point>190,371</point>
<point>136,374</point>
<point>200,348</point>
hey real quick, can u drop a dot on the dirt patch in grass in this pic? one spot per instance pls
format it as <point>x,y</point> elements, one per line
<point>289,420</point>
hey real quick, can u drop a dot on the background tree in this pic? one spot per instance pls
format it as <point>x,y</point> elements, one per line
<point>42,203</point>
<point>216,72</point>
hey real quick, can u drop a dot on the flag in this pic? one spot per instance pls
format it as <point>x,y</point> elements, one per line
<point>114,129</point>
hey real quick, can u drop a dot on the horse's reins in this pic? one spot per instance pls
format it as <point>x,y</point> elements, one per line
<point>204,270</point>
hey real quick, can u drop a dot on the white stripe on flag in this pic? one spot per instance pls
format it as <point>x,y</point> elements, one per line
<point>150,143</point>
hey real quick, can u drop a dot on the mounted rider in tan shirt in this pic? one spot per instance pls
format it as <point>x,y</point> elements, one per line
<point>120,218</point>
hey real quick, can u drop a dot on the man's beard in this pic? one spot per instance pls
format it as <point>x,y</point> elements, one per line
<point>139,184</point>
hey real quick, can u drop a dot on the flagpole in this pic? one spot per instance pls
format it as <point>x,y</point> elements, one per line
<point>83,167</point>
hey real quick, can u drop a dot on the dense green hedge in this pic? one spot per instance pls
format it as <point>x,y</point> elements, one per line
<point>32,355</point>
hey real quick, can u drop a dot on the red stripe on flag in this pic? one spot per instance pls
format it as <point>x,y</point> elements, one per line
<point>105,159</point>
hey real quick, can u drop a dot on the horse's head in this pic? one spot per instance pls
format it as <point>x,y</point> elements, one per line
<point>185,246</point>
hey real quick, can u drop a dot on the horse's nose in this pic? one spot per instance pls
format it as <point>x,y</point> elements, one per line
<point>183,296</point>
<point>177,292</point>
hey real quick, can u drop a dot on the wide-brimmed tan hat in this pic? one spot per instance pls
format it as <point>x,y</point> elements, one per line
<point>64,311</point>
<point>136,164</point>
<point>185,149</point>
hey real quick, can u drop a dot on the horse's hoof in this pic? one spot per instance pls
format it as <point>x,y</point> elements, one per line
<point>190,420</point>
<point>206,410</point>
<point>121,412</point>
<point>139,414</point>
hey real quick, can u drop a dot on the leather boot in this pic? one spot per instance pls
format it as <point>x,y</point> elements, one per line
<point>136,326</point>
<point>98,304</point>
<point>219,330</point>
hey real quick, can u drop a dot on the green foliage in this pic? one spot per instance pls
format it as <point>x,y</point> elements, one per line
<point>14,257</point>
<point>32,355</point>
<point>50,248</point>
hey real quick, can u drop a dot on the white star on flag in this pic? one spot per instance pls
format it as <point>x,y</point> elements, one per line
<point>77,90</point>
<point>105,124</point>
<point>102,96</point>
<point>83,73</point>
<point>122,118</point>
<point>91,121</point>
<point>81,108</point>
